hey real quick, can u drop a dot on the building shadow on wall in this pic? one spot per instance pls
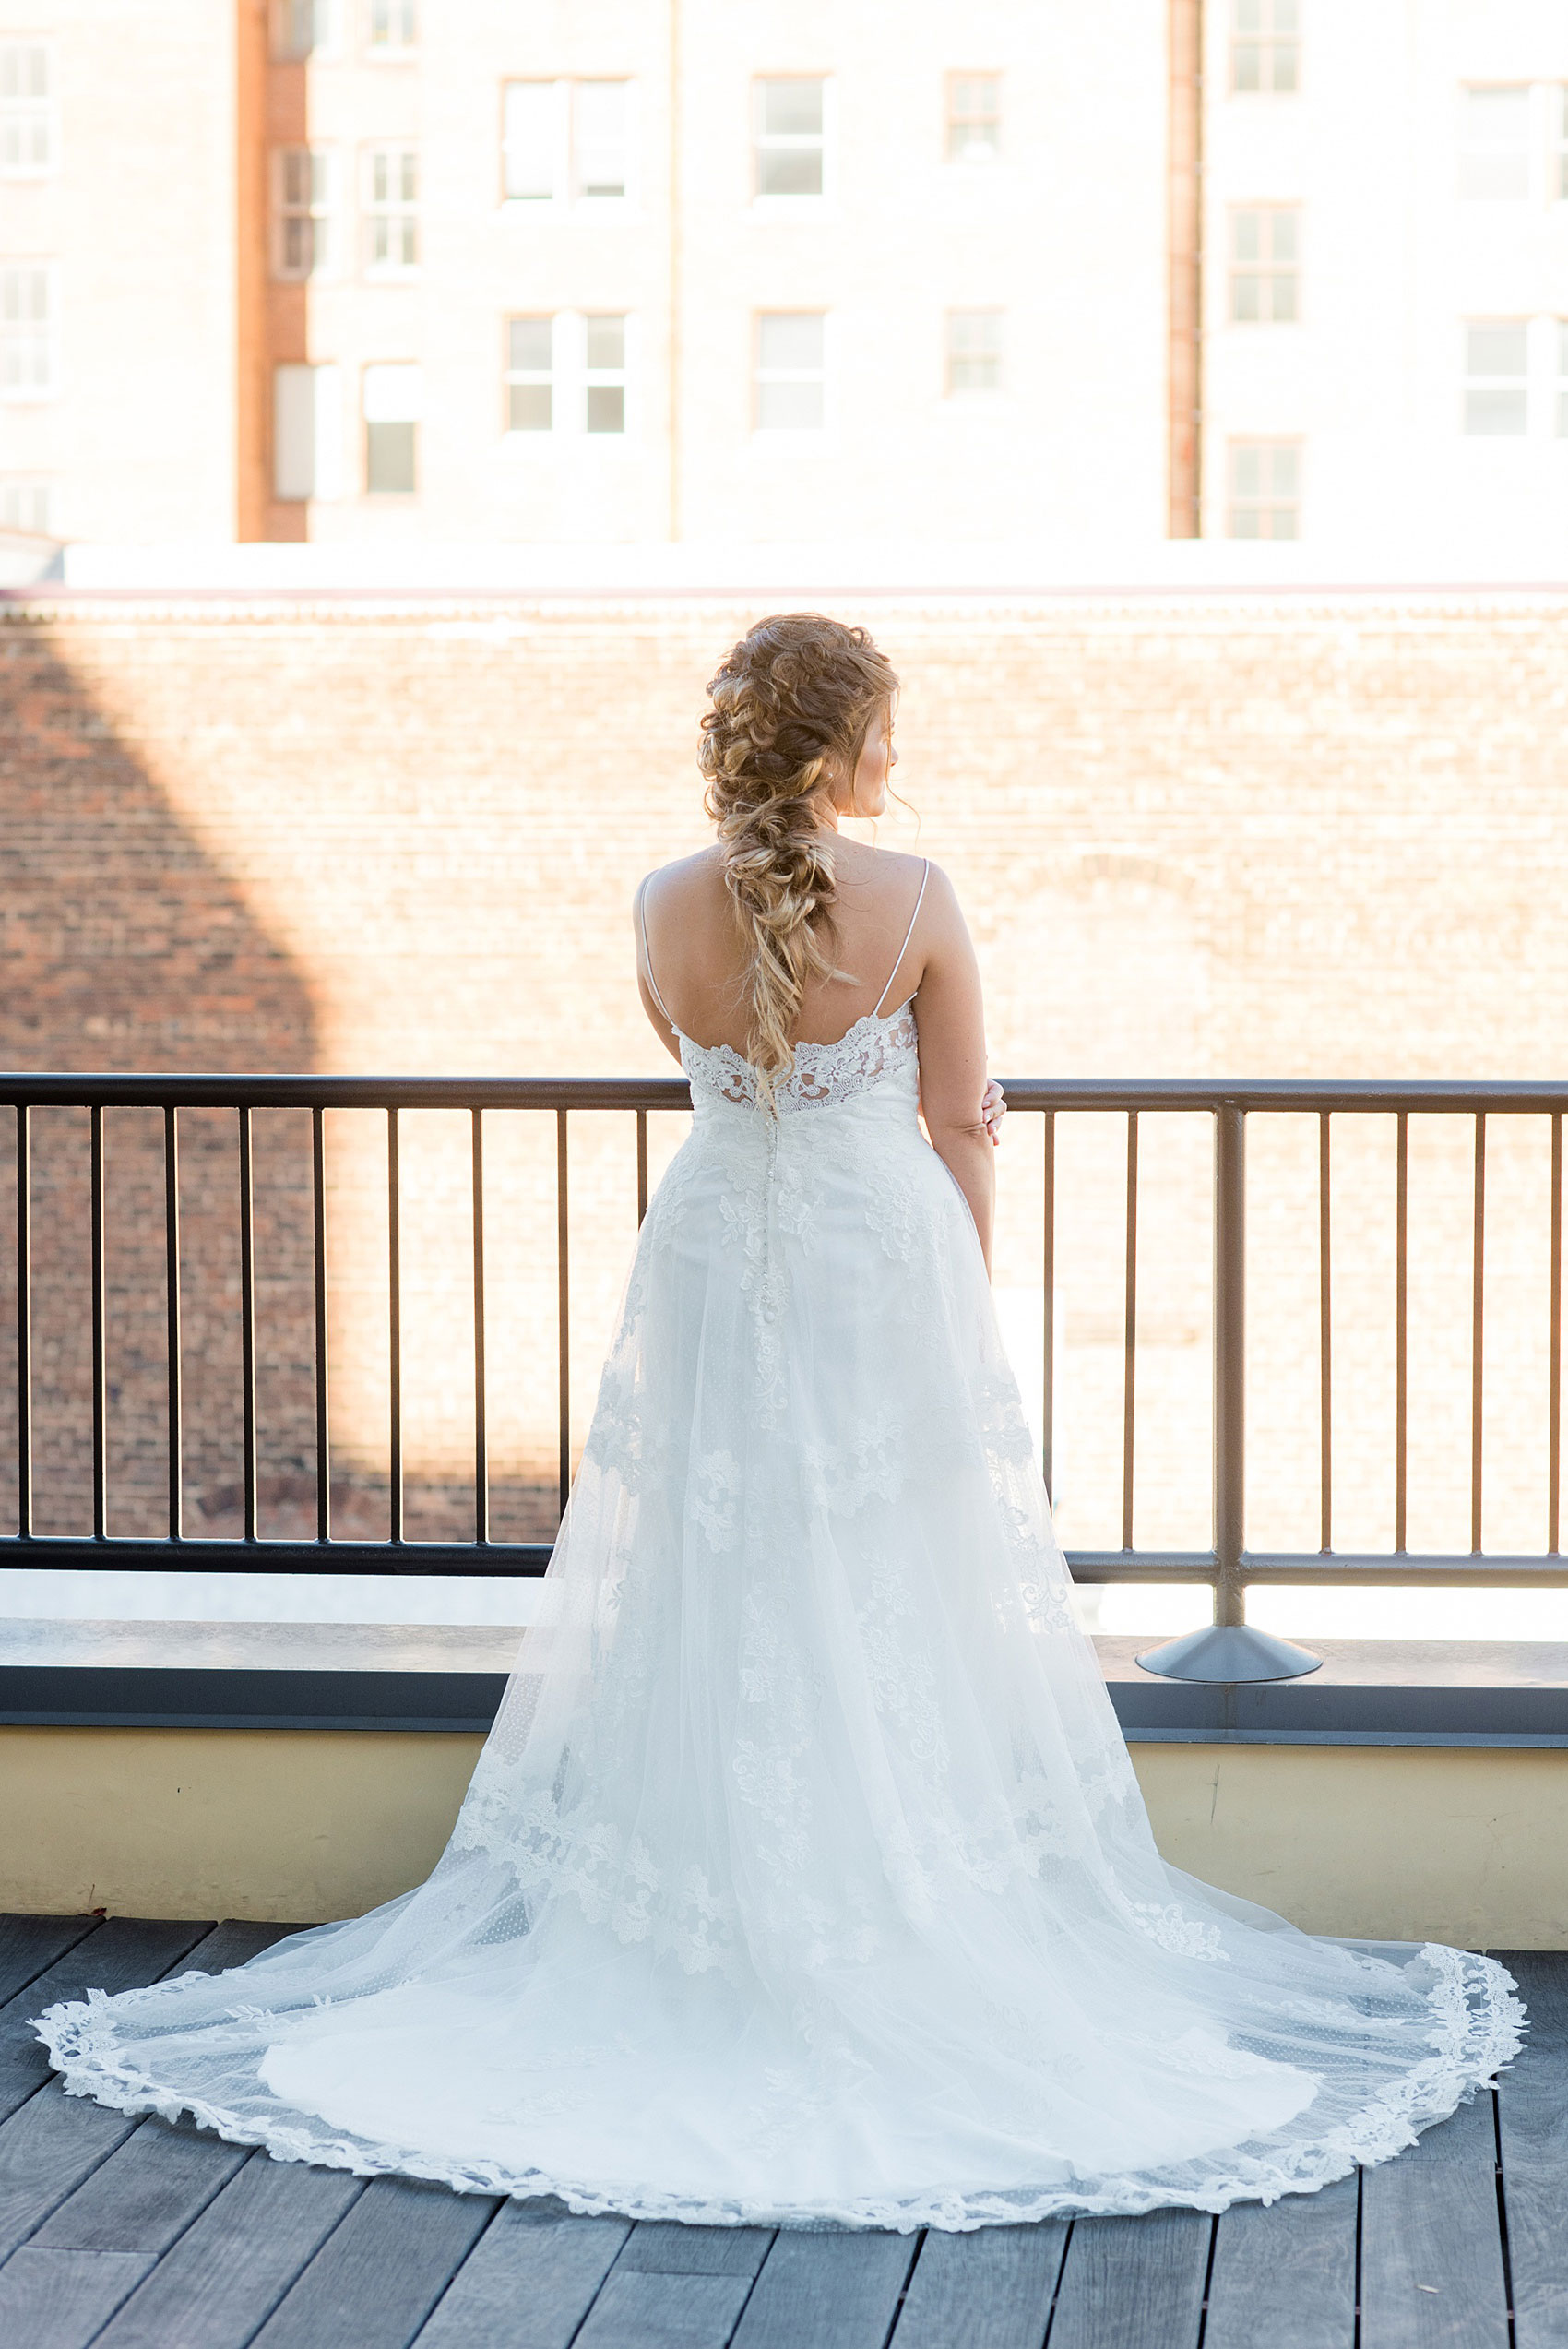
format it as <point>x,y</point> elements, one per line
<point>125,947</point>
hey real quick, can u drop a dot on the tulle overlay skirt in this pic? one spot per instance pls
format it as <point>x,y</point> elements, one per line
<point>804,1876</point>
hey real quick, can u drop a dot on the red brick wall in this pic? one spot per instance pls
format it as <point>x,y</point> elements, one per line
<point>1273,836</point>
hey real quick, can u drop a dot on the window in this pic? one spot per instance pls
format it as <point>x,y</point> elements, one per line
<point>392,210</point>
<point>974,118</point>
<point>1265,48</point>
<point>27,110</point>
<point>1265,254</point>
<point>307,432</point>
<point>531,374</point>
<point>565,141</point>
<point>1560,141</point>
<point>790,370</point>
<point>24,505</point>
<point>974,351</point>
<point>27,330</point>
<point>392,398</point>
<point>604,355</point>
<point>303,198</point>
<point>300,28</point>
<point>1494,141</point>
<point>393,27</point>
<point>789,136</point>
<point>1563,377</point>
<point>1264,489</point>
<point>1497,377</point>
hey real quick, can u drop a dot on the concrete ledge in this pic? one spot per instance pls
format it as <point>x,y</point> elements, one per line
<point>1460,1844</point>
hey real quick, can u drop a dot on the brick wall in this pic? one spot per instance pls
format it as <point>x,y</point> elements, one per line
<point>1277,836</point>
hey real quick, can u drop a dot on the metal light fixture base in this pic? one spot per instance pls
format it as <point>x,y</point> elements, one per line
<point>1230,1652</point>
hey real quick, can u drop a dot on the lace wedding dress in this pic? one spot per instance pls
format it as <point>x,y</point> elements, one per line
<point>805,1876</point>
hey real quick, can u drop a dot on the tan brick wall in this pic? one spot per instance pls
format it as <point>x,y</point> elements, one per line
<point>1281,836</point>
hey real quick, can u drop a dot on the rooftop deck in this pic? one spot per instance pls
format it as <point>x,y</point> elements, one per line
<point>139,2236</point>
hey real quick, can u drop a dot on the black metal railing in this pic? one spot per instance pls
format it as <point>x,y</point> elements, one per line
<point>1227,1565</point>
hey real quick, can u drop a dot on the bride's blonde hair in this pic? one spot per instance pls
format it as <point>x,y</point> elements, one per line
<point>797,692</point>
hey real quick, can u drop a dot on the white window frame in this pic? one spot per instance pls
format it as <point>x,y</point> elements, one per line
<point>564,144</point>
<point>307,434</point>
<point>1481,381</point>
<point>607,378</point>
<point>522,434</point>
<point>1271,501</point>
<point>1271,40</point>
<point>21,112</point>
<point>1560,404</point>
<point>963,395</point>
<point>303,28</point>
<point>18,334</point>
<point>1474,154</point>
<point>952,120</point>
<point>773,207</point>
<point>322,207</point>
<point>391,209</point>
<point>410,397</point>
<point>395,51</point>
<point>25,504</point>
<point>821,375</point>
<point>1266,269</point>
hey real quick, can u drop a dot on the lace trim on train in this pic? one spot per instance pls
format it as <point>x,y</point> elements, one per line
<point>1477,2025</point>
<point>822,1074</point>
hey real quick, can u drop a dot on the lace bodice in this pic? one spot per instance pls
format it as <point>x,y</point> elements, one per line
<point>824,1074</point>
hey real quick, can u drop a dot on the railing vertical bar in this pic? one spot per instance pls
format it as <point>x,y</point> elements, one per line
<point>1325,1333</point>
<point>1477,1298</point>
<point>481,1454</point>
<point>1555,1408</point>
<point>247,1318</point>
<point>1401,1322</point>
<point>1230,1362</point>
<point>318,1241</point>
<point>394,1336</point>
<point>171,1294</point>
<point>1048,1387</point>
<point>563,1304</point>
<point>24,1323</point>
<point>1129,1328</point>
<point>642,1166</point>
<point>100,1338</point>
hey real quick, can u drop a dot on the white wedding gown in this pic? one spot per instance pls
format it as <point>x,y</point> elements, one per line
<point>805,1876</point>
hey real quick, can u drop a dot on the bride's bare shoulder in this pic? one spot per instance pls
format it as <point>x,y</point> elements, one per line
<point>684,878</point>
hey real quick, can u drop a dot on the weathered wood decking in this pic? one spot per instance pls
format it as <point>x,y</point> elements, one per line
<point>138,2235</point>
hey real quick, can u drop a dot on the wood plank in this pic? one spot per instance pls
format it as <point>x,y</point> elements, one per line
<point>988,2289</point>
<point>1432,2244</point>
<point>379,2275</point>
<point>835,2288</point>
<point>62,2299</point>
<point>233,1943</point>
<point>146,2193</point>
<point>46,2149</point>
<point>1286,2275</point>
<point>223,2278</point>
<point>528,2282</point>
<point>1532,2098</point>
<point>1134,2282</point>
<point>662,2246</point>
<point>643,2311</point>
<point>121,1953</point>
<point>28,1944</point>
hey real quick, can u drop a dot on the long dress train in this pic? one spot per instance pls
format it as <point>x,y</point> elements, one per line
<point>805,1876</point>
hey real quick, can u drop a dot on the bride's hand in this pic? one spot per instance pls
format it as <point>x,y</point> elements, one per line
<point>993,1109</point>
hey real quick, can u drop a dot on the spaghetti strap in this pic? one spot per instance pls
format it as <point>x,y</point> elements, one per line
<point>647,959</point>
<point>902,952</point>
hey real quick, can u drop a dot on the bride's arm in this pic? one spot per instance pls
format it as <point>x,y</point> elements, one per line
<point>952,1029</point>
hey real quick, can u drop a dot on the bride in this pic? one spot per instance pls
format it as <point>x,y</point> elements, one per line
<point>805,1876</point>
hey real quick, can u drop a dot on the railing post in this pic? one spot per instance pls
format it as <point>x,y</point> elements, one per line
<point>1230,1361</point>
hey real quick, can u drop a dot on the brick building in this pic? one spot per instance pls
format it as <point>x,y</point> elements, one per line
<point>1201,835</point>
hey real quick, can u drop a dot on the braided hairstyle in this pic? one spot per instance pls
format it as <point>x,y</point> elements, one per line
<point>795,693</point>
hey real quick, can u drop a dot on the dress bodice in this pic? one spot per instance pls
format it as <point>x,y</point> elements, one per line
<point>872,1053</point>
